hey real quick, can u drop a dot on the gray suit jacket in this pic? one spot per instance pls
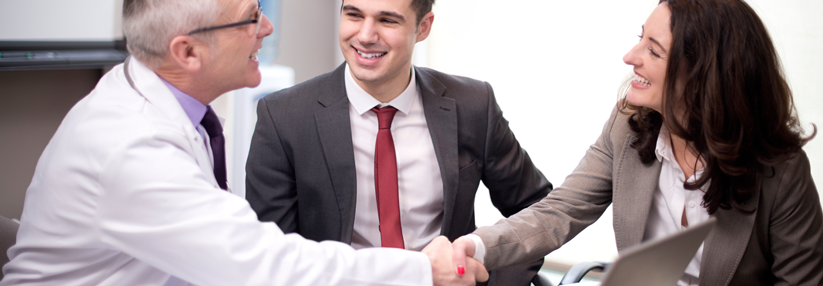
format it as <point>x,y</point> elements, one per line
<point>301,173</point>
<point>781,243</point>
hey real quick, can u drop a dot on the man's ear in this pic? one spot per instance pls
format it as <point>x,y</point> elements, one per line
<point>188,52</point>
<point>425,26</point>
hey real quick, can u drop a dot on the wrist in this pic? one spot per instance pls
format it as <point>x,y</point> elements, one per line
<point>479,247</point>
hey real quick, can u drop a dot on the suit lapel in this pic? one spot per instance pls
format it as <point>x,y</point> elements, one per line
<point>634,186</point>
<point>334,130</point>
<point>441,118</point>
<point>724,247</point>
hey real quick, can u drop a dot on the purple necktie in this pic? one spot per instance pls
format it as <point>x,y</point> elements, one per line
<point>218,145</point>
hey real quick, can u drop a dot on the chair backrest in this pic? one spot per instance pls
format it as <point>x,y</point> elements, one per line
<point>8,236</point>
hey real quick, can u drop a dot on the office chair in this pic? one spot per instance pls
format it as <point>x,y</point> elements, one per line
<point>8,236</point>
<point>540,279</point>
<point>574,275</point>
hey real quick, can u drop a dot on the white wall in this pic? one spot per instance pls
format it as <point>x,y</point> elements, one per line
<point>308,37</point>
<point>556,67</point>
<point>61,20</point>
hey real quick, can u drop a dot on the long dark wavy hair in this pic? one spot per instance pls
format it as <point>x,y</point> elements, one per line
<point>735,110</point>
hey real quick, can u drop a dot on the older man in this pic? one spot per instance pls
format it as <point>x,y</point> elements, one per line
<point>128,191</point>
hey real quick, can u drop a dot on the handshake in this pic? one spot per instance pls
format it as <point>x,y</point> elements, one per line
<point>452,263</point>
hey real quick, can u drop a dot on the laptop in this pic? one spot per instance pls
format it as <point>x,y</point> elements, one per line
<point>658,262</point>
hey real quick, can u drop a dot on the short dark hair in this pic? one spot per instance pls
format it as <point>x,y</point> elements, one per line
<point>422,7</point>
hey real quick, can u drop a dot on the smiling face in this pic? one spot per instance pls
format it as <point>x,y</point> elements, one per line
<point>377,39</point>
<point>650,59</point>
<point>234,61</point>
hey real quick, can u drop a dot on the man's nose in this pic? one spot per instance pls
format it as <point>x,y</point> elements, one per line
<point>368,32</point>
<point>266,27</point>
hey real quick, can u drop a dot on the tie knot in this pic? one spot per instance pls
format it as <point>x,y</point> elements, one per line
<point>211,123</point>
<point>385,116</point>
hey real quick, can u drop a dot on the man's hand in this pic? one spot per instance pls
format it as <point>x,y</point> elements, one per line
<point>443,270</point>
<point>463,247</point>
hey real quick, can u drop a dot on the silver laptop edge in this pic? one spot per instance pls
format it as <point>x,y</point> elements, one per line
<point>658,262</point>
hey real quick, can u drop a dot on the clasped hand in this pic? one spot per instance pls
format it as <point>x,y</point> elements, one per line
<point>447,271</point>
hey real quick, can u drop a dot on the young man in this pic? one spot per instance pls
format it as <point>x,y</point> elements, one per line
<point>381,153</point>
<point>131,190</point>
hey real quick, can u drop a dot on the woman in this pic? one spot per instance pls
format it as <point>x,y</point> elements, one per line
<point>706,128</point>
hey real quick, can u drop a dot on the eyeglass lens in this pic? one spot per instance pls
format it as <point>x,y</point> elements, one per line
<point>259,20</point>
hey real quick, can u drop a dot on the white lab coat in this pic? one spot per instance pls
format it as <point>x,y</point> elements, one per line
<point>124,195</point>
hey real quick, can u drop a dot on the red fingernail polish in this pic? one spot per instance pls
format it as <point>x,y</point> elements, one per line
<point>461,270</point>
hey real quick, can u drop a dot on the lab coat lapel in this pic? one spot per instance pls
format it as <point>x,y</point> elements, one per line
<point>634,186</point>
<point>441,117</point>
<point>151,87</point>
<point>334,129</point>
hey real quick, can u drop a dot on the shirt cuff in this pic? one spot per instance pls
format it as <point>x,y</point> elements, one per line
<point>479,248</point>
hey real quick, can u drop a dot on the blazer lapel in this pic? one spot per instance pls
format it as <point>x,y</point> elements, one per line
<point>724,247</point>
<point>334,130</point>
<point>634,186</point>
<point>441,117</point>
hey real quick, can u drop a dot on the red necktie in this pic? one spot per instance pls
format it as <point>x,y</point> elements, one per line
<point>385,181</point>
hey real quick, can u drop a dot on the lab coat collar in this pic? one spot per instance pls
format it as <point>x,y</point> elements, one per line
<point>149,85</point>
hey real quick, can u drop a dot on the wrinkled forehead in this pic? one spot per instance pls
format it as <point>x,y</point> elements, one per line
<point>232,10</point>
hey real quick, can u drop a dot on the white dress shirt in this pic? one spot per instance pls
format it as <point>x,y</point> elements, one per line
<point>666,210</point>
<point>668,203</point>
<point>420,187</point>
<point>124,194</point>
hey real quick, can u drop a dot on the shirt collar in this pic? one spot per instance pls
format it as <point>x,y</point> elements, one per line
<point>194,109</point>
<point>663,148</point>
<point>362,101</point>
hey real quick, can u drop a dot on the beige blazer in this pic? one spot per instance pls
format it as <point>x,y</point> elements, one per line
<point>781,243</point>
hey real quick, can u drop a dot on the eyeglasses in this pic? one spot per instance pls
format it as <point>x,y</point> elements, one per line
<point>257,20</point>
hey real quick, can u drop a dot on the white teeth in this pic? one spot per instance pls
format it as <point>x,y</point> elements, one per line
<point>370,55</point>
<point>254,55</point>
<point>641,80</point>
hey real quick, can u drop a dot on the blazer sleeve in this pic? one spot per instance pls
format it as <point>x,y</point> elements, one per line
<point>513,181</point>
<point>546,225</point>
<point>796,227</point>
<point>270,180</point>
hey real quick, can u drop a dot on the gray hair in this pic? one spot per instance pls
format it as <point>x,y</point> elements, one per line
<point>150,25</point>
